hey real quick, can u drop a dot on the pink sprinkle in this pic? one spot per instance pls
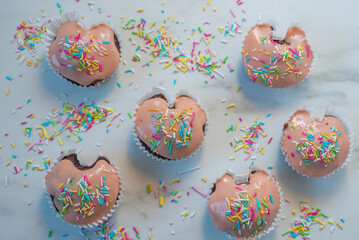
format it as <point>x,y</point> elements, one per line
<point>100,67</point>
<point>272,41</point>
<point>134,228</point>
<point>269,140</point>
<point>307,47</point>
<point>292,154</point>
<point>155,136</point>
<point>289,137</point>
<point>262,60</point>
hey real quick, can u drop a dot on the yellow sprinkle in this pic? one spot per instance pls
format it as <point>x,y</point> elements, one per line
<point>26,185</point>
<point>331,222</point>
<point>13,145</point>
<point>169,64</point>
<point>319,221</point>
<point>154,109</point>
<point>39,59</point>
<point>341,227</point>
<point>230,219</point>
<point>161,201</point>
<point>109,124</point>
<point>8,163</point>
<point>255,119</point>
<point>60,185</point>
<point>7,91</point>
<point>44,131</point>
<point>240,147</point>
<point>289,65</point>
<point>106,101</point>
<point>204,180</point>
<point>214,9</point>
<point>294,212</point>
<point>185,214</point>
<point>231,105</point>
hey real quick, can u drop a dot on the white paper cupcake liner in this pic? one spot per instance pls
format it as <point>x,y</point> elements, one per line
<point>275,24</point>
<point>330,111</point>
<point>95,224</point>
<point>170,102</point>
<point>75,17</point>
<point>242,178</point>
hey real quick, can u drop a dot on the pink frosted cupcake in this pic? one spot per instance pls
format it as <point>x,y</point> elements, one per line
<point>83,195</point>
<point>315,148</point>
<point>247,206</point>
<point>273,62</point>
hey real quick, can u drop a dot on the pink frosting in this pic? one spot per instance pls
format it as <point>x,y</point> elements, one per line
<point>263,57</point>
<point>145,126</point>
<point>61,63</point>
<point>304,125</point>
<point>260,186</point>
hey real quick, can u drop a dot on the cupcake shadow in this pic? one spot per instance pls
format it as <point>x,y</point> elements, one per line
<point>154,168</point>
<point>50,219</point>
<point>302,185</point>
<point>269,97</point>
<point>54,85</point>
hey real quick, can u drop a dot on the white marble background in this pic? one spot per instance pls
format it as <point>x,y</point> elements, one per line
<point>332,29</point>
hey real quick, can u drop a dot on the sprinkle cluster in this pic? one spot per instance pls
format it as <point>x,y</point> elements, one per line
<point>241,210</point>
<point>308,216</point>
<point>180,124</point>
<point>75,119</point>
<point>74,47</point>
<point>91,196</point>
<point>163,45</point>
<point>250,142</point>
<point>28,36</point>
<point>269,70</point>
<point>323,149</point>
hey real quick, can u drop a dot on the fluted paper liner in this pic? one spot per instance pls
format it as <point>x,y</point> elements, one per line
<point>243,178</point>
<point>74,17</point>
<point>274,24</point>
<point>170,102</point>
<point>95,224</point>
<point>330,111</point>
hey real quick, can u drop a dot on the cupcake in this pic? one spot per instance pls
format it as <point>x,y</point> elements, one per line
<point>170,129</point>
<point>245,206</point>
<point>274,62</point>
<point>315,148</point>
<point>84,57</point>
<point>83,195</point>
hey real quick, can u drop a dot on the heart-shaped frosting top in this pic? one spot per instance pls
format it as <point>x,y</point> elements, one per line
<point>170,133</point>
<point>314,148</point>
<point>276,63</point>
<point>83,195</point>
<point>244,210</point>
<point>84,56</point>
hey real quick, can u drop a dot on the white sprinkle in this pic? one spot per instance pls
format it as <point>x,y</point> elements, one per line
<point>6,181</point>
<point>188,170</point>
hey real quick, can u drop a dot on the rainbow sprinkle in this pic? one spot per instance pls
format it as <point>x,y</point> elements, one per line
<point>28,36</point>
<point>323,149</point>
<point>74,48</point>
<point>241,210</point>
<point>301,226</point>
<point>162,45</point>
<point>180,124</point>
<point>250,142</point>
<point>271,61</point>
<point>75,119</point>
<point>91,196</point>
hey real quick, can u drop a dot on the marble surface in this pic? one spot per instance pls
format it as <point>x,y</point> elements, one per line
<point>332,32</point>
